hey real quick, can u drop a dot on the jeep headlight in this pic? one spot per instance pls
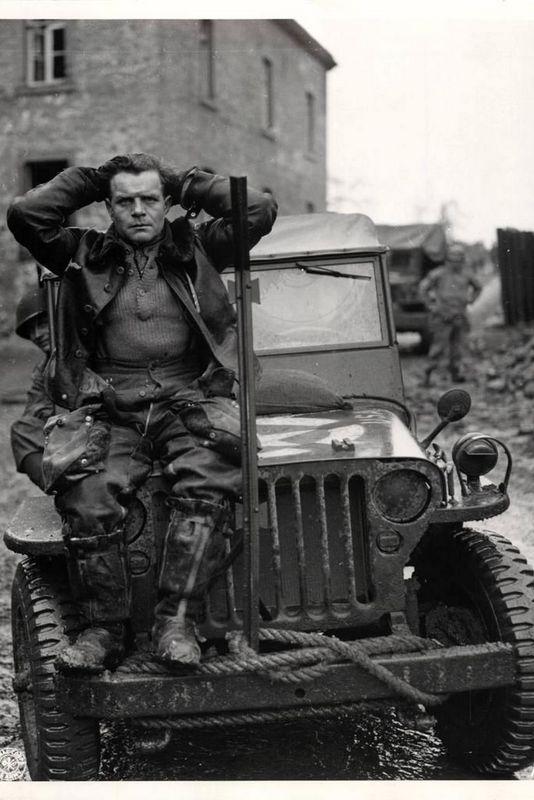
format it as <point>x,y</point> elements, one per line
<point>402,495</point>
<point>475,455</point>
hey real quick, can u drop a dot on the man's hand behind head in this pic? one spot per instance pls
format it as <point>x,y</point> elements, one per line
<point>172,179</point>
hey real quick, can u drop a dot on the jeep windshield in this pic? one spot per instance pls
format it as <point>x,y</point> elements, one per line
<point>317,285</point>
<point>297,308</point>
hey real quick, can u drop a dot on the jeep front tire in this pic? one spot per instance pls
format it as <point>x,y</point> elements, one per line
<point>59,747</point>
<point>477,587</point>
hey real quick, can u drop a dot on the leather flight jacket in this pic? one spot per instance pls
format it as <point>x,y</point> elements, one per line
<point>92,266</point>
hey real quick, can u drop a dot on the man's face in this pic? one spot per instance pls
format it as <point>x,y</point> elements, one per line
<point>456,257</point>
<point>137,206</point>
<point>39,334</point>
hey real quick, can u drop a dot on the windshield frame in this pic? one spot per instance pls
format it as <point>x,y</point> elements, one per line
<point>335,261</point>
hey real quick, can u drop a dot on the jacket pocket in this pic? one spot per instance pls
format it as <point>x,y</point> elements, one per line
<point>216,422</point>
<point>76,445</point>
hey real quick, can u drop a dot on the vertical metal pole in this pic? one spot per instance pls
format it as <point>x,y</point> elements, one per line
<point>247,401</point>
<point>50,282</point>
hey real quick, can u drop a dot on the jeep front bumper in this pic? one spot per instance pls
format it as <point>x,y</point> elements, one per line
<point>141,696</point>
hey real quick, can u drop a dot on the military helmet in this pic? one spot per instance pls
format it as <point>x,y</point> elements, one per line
<point>31,306</point>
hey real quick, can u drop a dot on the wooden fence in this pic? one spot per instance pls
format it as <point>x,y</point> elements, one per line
<point>516,265</point>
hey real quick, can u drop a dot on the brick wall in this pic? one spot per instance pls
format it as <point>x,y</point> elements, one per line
<point>139,86</point>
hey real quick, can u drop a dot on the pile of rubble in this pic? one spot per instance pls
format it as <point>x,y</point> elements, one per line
<point>499,372</point>
<point>510,367</point>
<point>504,363</point>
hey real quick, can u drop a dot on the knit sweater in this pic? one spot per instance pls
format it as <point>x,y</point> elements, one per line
<point>144,322</point>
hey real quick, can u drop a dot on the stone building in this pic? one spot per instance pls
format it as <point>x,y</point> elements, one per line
<point>235,96</point>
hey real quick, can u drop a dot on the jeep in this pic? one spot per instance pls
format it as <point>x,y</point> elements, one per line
<point>364,580</point>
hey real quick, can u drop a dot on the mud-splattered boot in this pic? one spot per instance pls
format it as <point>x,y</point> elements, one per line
<point>95,649</point>
<point>99,581</point>
<point>175,641</point>
<point>193,551</point>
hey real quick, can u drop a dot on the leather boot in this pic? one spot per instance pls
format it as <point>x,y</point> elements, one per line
<point>95,649</point>
<point>193,550</point>
<point>175,641</point>
<point>99,580</point>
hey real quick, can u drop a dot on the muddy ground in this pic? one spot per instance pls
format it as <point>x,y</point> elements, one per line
<point>376,746</point>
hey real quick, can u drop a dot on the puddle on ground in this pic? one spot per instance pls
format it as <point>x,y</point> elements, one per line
<point>371,746</point>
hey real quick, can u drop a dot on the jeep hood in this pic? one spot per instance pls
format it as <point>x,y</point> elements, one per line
<point>294,438</point>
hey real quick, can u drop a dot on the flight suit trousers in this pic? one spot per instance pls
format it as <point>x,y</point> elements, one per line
<point>194,439</point>
<point>97,501</point>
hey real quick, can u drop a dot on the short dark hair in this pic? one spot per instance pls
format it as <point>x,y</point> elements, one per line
<point>135,163</point>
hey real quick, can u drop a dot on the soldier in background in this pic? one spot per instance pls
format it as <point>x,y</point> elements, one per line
<point>447,291</point>
<point>27,435</point>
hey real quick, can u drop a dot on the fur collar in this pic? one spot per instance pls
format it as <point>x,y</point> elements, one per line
<point>177,243</point>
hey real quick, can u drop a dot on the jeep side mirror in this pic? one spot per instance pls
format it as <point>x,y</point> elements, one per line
<point>452,406</point>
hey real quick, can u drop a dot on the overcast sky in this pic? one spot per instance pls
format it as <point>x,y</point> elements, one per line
<point>427,112</point>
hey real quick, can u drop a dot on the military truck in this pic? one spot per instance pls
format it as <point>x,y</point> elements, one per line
<point>366,580</point>
<point>413,251</point>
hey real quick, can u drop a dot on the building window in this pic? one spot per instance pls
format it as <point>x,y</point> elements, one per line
<point>207,59</point>
<point>310,122</point>
<point>46,52</point>
<point>268,92</point>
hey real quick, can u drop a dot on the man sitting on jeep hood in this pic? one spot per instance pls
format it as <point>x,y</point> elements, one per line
<point>145,364</point>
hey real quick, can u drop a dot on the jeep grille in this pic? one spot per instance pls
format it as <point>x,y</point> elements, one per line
<point>314,551</point>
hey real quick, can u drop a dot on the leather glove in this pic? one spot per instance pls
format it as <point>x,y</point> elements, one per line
<point>97,181</point>
<point>177,183</point>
